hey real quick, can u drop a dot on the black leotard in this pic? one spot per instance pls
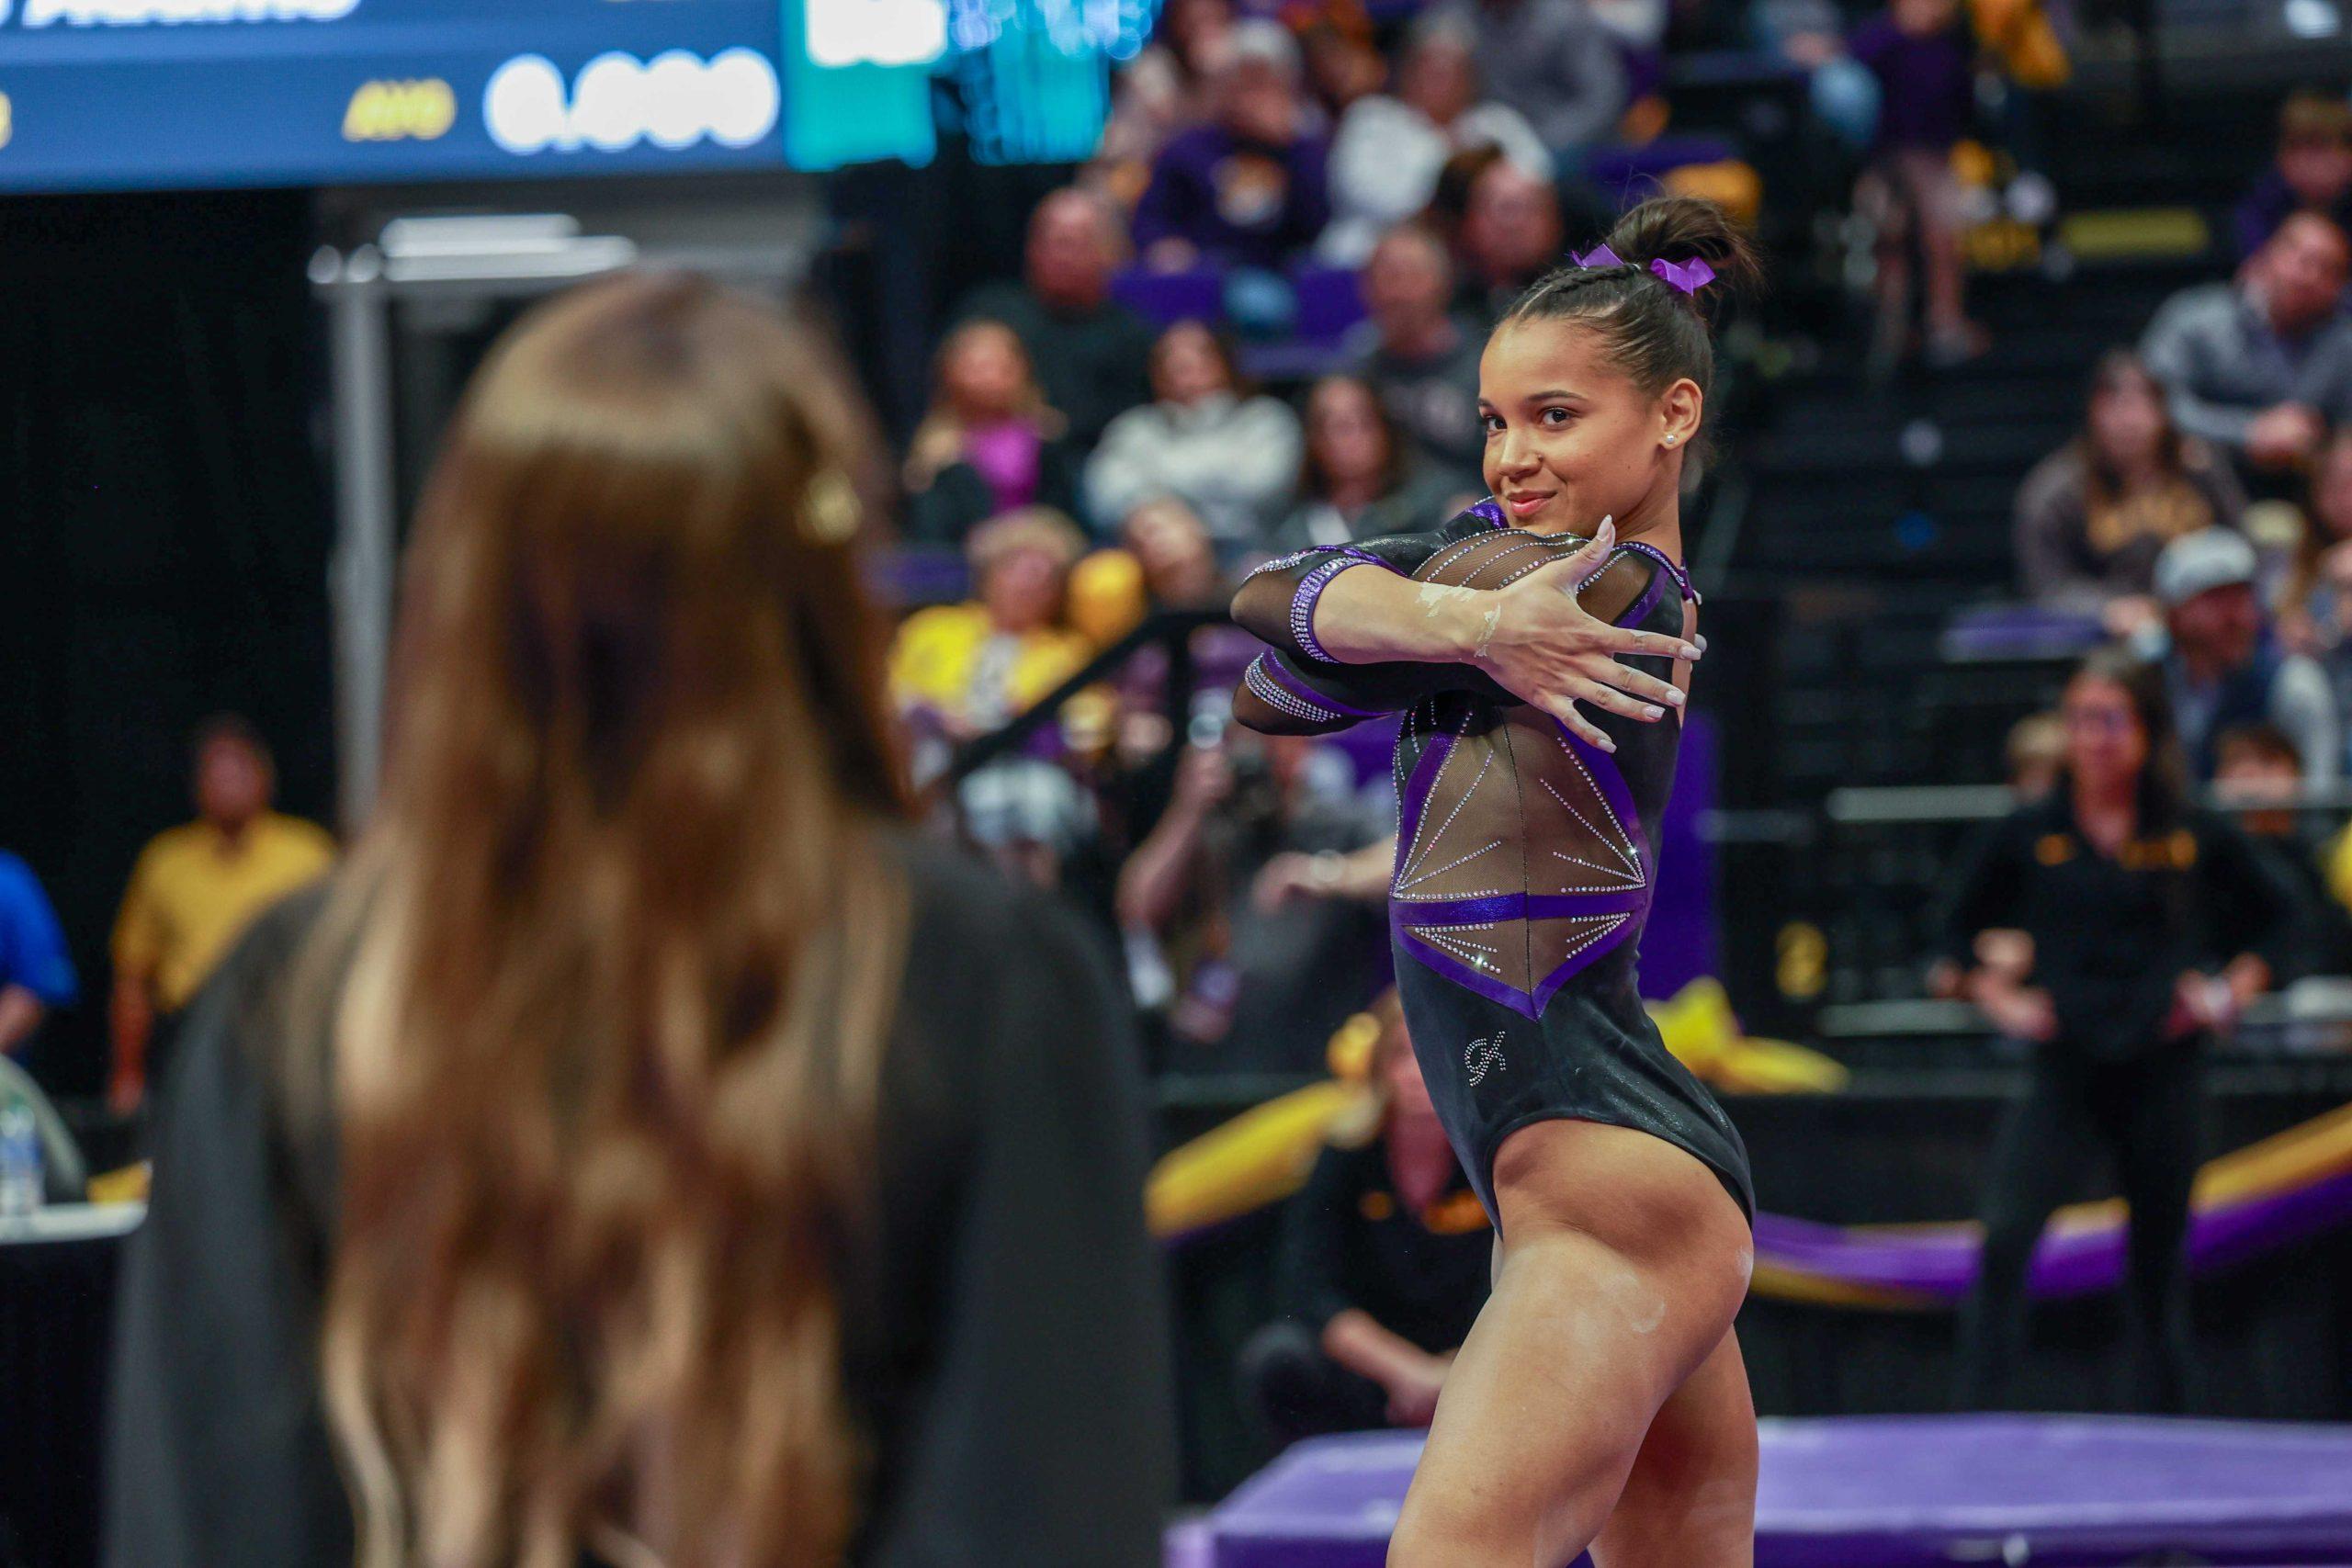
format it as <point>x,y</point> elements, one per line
<point>1524,867</point>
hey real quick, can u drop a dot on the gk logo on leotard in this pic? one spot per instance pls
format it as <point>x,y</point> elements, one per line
<point>1483,1056</point>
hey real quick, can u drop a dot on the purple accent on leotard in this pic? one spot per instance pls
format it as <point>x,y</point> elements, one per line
<point>1283,563</point>
<point>1496,990</point>
<point>1414,798</point>
<point>1682,578</point>
<point>1406,915</point>
<point>1310,589</point>
<point>1491,510</point>
<point>1462,975</point>
<point>1642,606</point>
<point>1272,669</point>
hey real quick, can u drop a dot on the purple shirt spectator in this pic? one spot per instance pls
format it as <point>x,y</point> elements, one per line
<point>1006,457</point>
<point>1926,81</point>
<point>1241,203</point>
<point>2269,203</point>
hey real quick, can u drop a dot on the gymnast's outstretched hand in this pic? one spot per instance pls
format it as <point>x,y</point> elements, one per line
<point>1542,645</point>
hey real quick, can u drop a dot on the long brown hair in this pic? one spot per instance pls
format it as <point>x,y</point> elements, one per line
<point>621,946</point>
<point>2317,539</point>
<point>2102,484</point>
<point>1395,469</point>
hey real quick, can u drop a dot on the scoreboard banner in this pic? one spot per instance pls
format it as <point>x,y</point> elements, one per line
<point>149,94</point>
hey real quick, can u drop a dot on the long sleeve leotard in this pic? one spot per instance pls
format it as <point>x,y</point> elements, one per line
<point>1524,867</point>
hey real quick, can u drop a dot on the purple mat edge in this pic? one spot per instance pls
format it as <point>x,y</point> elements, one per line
<point>1823,1539</point>
<point>2064,1265</point>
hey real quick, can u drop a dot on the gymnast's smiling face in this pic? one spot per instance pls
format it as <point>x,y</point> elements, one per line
<point>1570,437</point>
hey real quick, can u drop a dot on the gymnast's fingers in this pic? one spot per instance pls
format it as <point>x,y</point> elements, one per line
<point>1625,678</point>
<point>1610,700</point>
<point>1646,645</point>
<point>1583,729</point>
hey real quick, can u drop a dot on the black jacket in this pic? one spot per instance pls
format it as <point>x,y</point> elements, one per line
<point>2111,935</point>
<point>1005,1340</point>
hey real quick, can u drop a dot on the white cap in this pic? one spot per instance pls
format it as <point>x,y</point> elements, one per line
<point>1268,42</point>
<point>2199,562</point>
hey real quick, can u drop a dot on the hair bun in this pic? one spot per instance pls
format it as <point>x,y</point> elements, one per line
<point>1676,229</point>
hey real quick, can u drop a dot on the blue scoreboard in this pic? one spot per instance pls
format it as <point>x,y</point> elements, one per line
<point>109,94</point>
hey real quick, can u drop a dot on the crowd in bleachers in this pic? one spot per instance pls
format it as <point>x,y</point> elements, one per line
<point>2203,514</point>
<point>1254,323</point>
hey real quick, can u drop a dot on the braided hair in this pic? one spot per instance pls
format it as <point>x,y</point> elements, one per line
<point>1654,331</point>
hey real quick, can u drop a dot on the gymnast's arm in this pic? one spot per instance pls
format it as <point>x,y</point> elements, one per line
<point>1294,688</point>
<point>1533,640</point>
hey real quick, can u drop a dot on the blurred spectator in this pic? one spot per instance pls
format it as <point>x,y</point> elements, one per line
<point>1361,873</point>
<point>1638,28</point>
<point>2262,367</point>
<point>193,892</point>
<point>1385,158</point>
<point>2223,668</point>
<point>1414,352</point>
<point>1032,818</point>
<point>2258,777</point>
<point>2093,515</point>
<point>990,443</point>
<point>1551,60</point>
<point>1171,544</point>
<point>1163,91</point>
<point>2034,753</point>
<point>1358,480</point>
<point>1342,66</point>
<point>2312,172</point>
<point>1809,35</point>
<point>35,972</point>
<point>1089,350</point>
<point>1249,187</point>
<point>1384,1260</point>
<point>1920,52</point>
<point>2315,603</point>
<point>1175,567</point>
<point>1251,987</point>
<point>1510,237</point>
<point>1163,562</point>
<point>1229,455</point>
<point>959,671</point>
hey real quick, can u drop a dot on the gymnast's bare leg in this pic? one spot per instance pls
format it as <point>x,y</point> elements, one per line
<point>1601,1375</point>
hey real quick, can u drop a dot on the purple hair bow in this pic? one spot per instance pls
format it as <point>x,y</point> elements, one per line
<point>1689,277</point>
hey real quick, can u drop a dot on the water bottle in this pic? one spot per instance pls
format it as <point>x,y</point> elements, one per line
<point>20,1172</point>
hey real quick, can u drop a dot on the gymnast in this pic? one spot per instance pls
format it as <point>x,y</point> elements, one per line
<point>1539,647</point>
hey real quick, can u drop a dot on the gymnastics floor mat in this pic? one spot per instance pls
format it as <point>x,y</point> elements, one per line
<point>1895,1492</point>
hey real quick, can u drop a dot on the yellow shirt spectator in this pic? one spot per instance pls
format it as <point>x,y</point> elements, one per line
<point>953,659</point>
<point>976,666</point>
<point>193,893</point>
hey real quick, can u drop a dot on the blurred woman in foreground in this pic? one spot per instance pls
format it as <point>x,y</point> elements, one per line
<point>643,1152</point>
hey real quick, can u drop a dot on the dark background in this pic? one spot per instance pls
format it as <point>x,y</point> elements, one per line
<point>163,536</point>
